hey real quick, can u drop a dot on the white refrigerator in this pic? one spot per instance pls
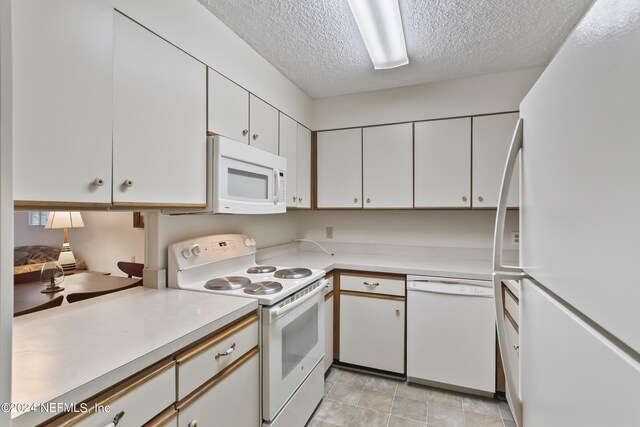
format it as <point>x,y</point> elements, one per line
<point>578,142</point>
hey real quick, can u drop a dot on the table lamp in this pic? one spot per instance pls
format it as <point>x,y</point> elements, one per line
<point>65,220</point>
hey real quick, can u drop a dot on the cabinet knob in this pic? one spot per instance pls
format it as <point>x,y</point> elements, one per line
<point>255,136</point>
<point>295,198</point>
<point>397,312</point>
<point>516,347</point>
<point>355,200</point>
<point>480,199</point>
<point>368,200</point>
<point>98,181</point>
<point>245,132</point>
<point>127,183</point>
<point>300,199</point>
<point>464,198</point>
<point>193,423</point>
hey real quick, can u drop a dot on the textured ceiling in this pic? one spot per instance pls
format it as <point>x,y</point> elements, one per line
<point>316,43</point>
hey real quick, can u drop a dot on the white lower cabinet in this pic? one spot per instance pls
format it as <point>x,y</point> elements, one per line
<point>234,400</point>
<point>328,325</point>
<point>372,332</point>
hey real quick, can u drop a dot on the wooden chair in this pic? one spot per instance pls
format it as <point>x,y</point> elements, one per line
<point>56,302</point>
<point>132,269</point>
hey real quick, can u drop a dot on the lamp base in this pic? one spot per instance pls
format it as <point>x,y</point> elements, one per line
<point>52,289</point>
<point>66,259</point>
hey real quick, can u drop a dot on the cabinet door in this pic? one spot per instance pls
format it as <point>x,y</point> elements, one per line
<point>372,332</point>
<point>228,112</point>
<point>340,169</point>
<point>214,408</point>
<point>263,125</point>
<point>304,167</point>
<point>289,150</point>
<point>159,123</point>
<point>387,163</point>
<point>62,104</point>
<point>328,332</point>
<point>491,140</point>
<point>442,163</point>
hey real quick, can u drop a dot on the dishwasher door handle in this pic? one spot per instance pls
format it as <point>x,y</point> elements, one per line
<point>451,289</point>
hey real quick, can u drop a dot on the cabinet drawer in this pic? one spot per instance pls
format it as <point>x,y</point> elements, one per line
<point>372,284</point>
<point>231,399</point>
<point>511,305</point>
<point>168,418</point>
<point>140,397</point>
<point>200,363</point>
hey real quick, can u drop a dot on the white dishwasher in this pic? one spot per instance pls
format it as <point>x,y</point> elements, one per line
<point>451,333</point>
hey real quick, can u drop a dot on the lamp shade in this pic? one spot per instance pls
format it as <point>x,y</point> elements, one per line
<point>64,220</point>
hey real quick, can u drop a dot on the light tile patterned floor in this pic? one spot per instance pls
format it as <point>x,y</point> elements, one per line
<point>357,399</point>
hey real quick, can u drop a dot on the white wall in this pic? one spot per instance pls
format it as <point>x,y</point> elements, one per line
<point>268,230</point>
<point>463,229</point>
<point>490,93</point>
<point>190,26</point>
<point>107,237</point>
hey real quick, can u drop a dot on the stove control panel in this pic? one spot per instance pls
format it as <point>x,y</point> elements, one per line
<point>210,249</point>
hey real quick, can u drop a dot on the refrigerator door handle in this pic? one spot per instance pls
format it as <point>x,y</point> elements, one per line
<point>503,272</point>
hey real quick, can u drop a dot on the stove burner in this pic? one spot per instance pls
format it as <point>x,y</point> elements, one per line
<point>229,283</point>
<point>292,273</point>
<point>259,269</point>
<point>263,288</point>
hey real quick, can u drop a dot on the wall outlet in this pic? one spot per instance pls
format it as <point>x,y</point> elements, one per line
<point>515,238</point>
<point>329,234</point>
<point>133,258</point>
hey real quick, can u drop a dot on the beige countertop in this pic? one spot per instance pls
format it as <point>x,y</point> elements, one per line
<point>387,263</point>
<point>73,352</point>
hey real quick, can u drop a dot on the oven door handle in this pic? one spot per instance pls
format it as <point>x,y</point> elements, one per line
<point>281,311</point>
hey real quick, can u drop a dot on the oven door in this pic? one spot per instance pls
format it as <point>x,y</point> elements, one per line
<point>293,344</point>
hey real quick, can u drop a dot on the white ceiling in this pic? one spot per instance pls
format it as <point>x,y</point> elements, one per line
<point>316,43</point>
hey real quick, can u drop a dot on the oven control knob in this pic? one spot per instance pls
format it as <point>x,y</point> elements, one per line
<point>247,242</point>
<point>186,252</point>
<point>195,249</point>
<point>253,242</point>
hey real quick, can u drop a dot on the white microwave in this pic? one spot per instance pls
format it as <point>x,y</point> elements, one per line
<point>242,179</point>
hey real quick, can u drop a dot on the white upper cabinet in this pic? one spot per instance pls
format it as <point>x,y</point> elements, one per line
<point>263,125</point>
<point>289,150</point>
<point>339,158</point>
<point>442,163</point>
<point>62,105</point>
<point>387,159</point>
<point>304,167</point>
<point>228,112</point>
<point>491,141</point>
<point>159,122</point>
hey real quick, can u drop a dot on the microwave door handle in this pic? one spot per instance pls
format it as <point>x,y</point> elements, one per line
<point>276,185</point>
<point>277,313</point>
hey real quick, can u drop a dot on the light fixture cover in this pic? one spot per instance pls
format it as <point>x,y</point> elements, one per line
<point>380,25</point>
<point>64,220</point>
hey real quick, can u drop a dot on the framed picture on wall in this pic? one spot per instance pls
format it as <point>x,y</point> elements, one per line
<point>138,220</point>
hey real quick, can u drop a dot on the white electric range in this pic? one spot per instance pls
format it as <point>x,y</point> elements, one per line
<point>291,317</point>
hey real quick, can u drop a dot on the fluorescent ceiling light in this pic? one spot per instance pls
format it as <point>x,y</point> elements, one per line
<point>381,28</point>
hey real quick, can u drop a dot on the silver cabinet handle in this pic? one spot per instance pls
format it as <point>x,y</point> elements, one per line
<point>516,347</point>
<point>368,200</point>
<point>228,352</point>
<point>116,419</point>
<point>355,200</point>
<point>193,423</point>
<point>245,132</point>
<point>371,285</point>
<point>300,199</point>
<point>481,199</point>
<point>255,136</point>
<point>295,198</point>
<point>98,181</point>
<point>464,198</point>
